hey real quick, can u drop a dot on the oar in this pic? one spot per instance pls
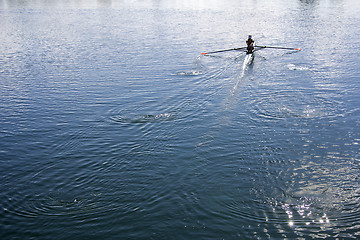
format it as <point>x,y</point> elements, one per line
<point>224,50</point>
<point>297,49</point>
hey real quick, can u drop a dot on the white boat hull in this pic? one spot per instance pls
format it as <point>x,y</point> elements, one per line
<point>248,58</point>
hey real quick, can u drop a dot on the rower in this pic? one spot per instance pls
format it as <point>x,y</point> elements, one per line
<point>250,44</point>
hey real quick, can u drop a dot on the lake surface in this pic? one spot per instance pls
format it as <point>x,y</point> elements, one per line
<point>114,126</point>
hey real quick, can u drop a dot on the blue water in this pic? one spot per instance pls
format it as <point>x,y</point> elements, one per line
<point>114,126</point>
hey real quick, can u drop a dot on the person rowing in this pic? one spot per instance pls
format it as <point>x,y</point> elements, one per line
<point>250,48</point>
<point>250,44</point>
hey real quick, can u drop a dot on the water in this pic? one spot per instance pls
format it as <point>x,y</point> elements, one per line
<point>113,126</point>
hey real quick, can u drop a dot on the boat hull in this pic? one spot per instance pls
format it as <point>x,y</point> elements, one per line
<point>249,58</point>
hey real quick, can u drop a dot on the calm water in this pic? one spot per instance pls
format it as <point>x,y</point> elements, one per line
<point>113,126</point>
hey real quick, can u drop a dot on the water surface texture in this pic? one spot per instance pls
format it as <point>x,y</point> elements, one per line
<point>114,126</point>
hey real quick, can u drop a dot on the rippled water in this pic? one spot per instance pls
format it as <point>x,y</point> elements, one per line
<point>113,126</point>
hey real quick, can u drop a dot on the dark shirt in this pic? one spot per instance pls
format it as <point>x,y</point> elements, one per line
<point>249,41</point>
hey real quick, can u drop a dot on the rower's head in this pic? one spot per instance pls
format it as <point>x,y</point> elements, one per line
<point>250,36</point>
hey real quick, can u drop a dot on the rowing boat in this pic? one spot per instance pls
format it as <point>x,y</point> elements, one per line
<point>249,57</point>
<point>255,49</point>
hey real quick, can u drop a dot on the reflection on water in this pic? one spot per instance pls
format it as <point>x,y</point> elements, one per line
<point>114,126</point>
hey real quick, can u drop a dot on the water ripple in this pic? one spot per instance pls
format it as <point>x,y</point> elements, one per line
<point>147,118</point>
<point>293,104</point>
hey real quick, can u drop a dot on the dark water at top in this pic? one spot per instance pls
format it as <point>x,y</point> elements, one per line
<point>113,126</point>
